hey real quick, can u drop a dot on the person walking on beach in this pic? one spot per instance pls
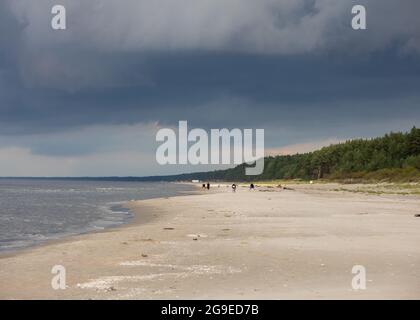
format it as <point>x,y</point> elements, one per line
<point>251,187</point>
<point>208,186</point>
<point>234,187</point>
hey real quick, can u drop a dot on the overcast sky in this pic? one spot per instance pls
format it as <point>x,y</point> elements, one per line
<point>89,100</point>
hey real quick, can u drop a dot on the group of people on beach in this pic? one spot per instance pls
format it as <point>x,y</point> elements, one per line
<point>251,187</point>
<point>206,186</point>
<point>234,186</point>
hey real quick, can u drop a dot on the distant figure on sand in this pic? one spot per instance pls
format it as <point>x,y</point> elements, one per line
<point>234,187</point>
<point>204,186</point>
<point>251,187</point>
<point>208,186</point>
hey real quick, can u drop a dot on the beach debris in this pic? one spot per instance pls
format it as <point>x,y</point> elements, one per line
<point>110,289</point>
<point>144,255</point>
<point>225,229</point>
<point>124,242</point>
<point>197,236</point>
<point>417,215</point>
<point>168,228</point>
<point>196,269</point>
<point>108,283</point>
<point>101,287</point>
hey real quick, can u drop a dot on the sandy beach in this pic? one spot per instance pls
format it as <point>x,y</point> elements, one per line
<point>264,244</point>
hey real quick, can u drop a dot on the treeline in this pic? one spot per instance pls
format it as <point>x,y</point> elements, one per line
<point>395,156</point>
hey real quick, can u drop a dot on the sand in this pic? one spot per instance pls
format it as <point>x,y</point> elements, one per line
<point>262,244</point>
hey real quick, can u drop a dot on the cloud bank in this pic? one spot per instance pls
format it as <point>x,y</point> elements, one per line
<point>292,67</point>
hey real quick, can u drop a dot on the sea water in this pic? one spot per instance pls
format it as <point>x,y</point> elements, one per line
<point>33,211</point>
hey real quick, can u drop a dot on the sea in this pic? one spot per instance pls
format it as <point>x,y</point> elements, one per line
<point>33,211</point>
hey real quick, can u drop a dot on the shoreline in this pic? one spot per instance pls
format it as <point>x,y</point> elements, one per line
<point>66,238</point>
<point>249,244</point>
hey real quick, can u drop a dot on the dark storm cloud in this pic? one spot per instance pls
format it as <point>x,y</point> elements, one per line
<point>219,90</point>
<point>215,63</point>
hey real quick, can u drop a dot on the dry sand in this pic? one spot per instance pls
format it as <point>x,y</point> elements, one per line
<point>277,244</point>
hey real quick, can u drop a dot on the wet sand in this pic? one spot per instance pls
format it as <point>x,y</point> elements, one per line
<point>263,244</point>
